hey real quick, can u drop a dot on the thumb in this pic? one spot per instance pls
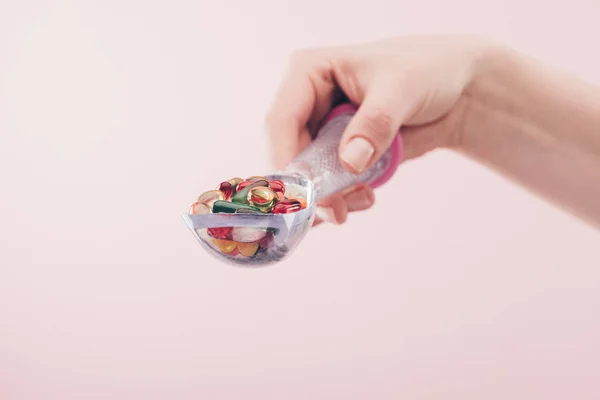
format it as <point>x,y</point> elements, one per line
<point>373,128</point>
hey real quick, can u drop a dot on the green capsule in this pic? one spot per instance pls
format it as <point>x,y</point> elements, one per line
<point>221,206</point>
<point>248,210</point>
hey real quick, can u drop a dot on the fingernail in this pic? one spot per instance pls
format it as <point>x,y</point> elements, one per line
<point>326,214</point>
<point>359,200</point>
<point>357,154</point>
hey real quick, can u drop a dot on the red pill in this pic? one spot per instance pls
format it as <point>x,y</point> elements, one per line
<point>266,241</point>
<point>277,186</point>
<point>227,190</point>
<point>221,233</point>
<point>286,207</point>
<point>242,185</point>
<point>257,182</point>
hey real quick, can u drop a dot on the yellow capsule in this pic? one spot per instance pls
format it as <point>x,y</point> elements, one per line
<point>210,197</point>
<point>199,208</point>
<point>248,249</point>
<point>226,246</point>
<point>257,178</point>
<point>261,196</point>
<point>235,181</point>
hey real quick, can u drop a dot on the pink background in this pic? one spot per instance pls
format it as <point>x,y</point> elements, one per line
<point>115,115</point>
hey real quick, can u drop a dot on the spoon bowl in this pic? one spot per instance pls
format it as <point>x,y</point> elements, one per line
<point>275,236</point>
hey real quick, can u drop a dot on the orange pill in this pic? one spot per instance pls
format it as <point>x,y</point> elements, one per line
<point>210,197</point>
<point>226,246</point>
<point>199,208</point>
<point>280,196</point>
<point>248,249</point>
<point>300,200</point>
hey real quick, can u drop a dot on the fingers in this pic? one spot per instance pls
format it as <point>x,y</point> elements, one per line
<point>287,118</point>
<point>360,198</point>
<point>334,211</point>
<point>304,95</point>
<point>374,126</point>
<point>336,208</point>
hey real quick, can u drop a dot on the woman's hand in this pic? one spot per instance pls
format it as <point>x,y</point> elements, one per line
<point>416,83</point>
<point>531,123</point>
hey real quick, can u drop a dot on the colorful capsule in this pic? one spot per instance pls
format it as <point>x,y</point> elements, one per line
<point>262,198</point>
<point>227,189</point>
<point>199,208</point>
<point>241,195</point>
<point>261,195</point>
<point>286,207</point>
<point>221,233</point>
<point>248,249</point>
<point>247,234</point>
<point>226,246</point>
<point>210,197</point>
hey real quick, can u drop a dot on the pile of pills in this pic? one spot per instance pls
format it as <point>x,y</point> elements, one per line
<point>253,195</point>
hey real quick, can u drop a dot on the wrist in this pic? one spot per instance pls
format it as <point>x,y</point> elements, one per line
<point>536,126</point>
<point>489,100</point>
<point>515,96</point>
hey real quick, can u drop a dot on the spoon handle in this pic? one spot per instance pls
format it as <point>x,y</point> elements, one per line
<point>320,163</point>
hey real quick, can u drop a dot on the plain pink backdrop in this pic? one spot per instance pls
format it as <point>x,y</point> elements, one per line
<point>115,115</point>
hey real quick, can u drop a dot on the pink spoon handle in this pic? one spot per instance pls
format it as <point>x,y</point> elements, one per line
<point>320,162</point>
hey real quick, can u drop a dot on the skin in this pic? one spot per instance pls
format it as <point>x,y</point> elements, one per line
<point>530,123</point>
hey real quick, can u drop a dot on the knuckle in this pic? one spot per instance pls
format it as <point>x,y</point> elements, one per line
<point>345,66</point>
<point>378,122</point>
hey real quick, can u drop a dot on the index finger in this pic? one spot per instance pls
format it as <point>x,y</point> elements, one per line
<point>304,94</point>
<point>288,118</point>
